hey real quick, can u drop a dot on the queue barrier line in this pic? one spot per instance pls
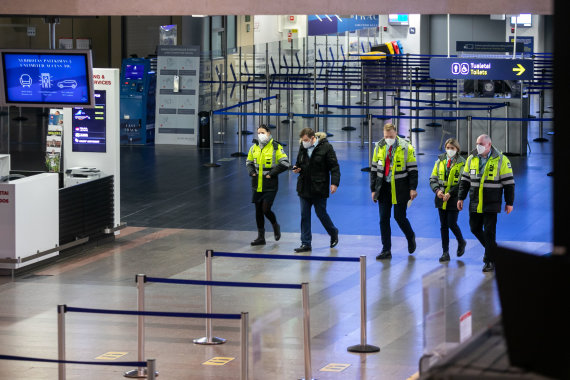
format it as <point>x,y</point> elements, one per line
<point>223,283</point>
<point>363,347</point>
<point>44,360</point>
<point>141,372</point>
<point>209,339</point>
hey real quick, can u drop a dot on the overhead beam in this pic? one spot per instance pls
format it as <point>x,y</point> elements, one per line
<point>264,7</point>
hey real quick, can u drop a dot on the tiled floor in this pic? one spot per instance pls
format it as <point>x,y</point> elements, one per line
<point>176,209</point>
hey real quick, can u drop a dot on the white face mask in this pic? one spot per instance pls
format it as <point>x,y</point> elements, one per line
<point>480,149</point>
<point>450,152</point>
<point>263,138</point>
<point>307,144</point>
<point>390,142</point>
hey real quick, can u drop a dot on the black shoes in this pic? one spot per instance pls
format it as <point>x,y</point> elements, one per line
<point>260,240</point>
<point>445,257</point>
<point>384,255</point>
<point>277,231</point>
<point>461,248</point>
<point>489,267</point>
<point>303,248</point>
<point>334,240</point>
<point>412,244</point>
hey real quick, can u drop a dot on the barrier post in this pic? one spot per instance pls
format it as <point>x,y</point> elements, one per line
<point>151,369</point>
<point>469,132</point>
<point>489,116</point>
<point>140,372</point>
<point>306,330</point>
<point>325,110</point>
<point>369,121</point>
<point>507,104</point>
<point>277,123</point>
<point>363,347</point>
<point>260,116</point>
<point>290,142</point>
<point>61,340</point>
<point>209,339</point>
<point>457,119</point>
<point>348,127</point>
<point>433,123</point>
<point>417,121</point>
<point>540,137</point>
<point>240,152</point>
<point>244,332</point>
<point>397,110</point>
<point>210,164</point>
<point>267,90</point>
<point>317,120</point>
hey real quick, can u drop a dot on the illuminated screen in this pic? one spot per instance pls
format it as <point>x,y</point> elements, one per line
<point>89,126</point>
<point>398,19</point>
<point>134,72</point>
<point>33,78</point>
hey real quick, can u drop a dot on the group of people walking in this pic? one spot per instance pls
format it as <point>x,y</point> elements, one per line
<point>485,176</point>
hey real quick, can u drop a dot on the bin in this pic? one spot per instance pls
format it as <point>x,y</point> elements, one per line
<point>204,129</point>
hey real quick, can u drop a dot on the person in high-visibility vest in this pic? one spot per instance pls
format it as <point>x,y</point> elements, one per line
<point>486,175</point>
<point>393,182</point>
<point>444,182</point>
<point>265,161</point>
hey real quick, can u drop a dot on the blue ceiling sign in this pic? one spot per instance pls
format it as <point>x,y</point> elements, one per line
<point>480,68</point>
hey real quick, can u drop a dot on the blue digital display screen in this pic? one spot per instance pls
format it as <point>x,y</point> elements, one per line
<point>134,72</point>
<point>89,126</point>
<point>46,78</point>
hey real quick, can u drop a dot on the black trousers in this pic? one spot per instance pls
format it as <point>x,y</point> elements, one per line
<point>484,227</point>
<point>385,209</point>
<point>448,221</point>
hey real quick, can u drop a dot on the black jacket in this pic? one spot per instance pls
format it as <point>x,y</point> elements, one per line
<point>318,172</point>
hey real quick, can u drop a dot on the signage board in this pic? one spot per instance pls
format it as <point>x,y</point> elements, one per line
<point>479,68</point>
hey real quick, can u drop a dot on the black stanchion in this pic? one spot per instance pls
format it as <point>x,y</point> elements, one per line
<point>417,122</point>
<point>348,127</point>
<point>244,130</point>
<point>433,123</point>
<point>541,137</point>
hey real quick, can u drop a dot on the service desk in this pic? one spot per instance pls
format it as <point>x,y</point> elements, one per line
<point>29,219</point>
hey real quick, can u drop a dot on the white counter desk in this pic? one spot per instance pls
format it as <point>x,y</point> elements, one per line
<point>29,219</point>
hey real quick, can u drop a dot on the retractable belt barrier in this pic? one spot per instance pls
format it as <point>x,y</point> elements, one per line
<point>209,339</point>
<point>363,347</point>
<point>150,364</point>
<point>148,371</point>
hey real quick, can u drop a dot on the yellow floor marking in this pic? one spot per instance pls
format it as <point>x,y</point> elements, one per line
<point>111,355</point>
<point>218,361</point>
<point>334,367</point>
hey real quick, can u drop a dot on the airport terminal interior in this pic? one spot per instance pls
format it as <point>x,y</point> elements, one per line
<point>170,184</point>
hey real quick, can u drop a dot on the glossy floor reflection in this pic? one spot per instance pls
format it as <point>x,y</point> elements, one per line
<point>104,278</point>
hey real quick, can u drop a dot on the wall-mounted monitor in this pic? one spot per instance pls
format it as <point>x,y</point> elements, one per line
<point>398,19</point>
<point>46,78</point>
<point>524,19</point>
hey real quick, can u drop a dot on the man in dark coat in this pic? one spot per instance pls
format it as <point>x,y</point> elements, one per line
<point>318,171</point>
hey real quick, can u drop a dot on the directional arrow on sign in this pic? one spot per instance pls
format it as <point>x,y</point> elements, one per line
<point>520,69</point>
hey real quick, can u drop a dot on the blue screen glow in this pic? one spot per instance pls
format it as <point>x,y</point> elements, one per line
<point>46,78</point>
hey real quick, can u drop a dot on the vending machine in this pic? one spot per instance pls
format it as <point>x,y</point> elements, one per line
<point>138,97</point>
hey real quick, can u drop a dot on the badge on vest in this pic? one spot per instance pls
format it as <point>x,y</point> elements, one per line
<point>473,172</point>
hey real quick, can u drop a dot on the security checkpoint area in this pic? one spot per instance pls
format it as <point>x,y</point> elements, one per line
<point>176,290</point>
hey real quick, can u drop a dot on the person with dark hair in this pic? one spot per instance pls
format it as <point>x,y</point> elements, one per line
<point>317,166</point>
<point>444,182</point>
<point>265,161</point>
<point>487,173</point>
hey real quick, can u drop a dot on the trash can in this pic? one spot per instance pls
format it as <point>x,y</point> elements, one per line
<point>204,129</point>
